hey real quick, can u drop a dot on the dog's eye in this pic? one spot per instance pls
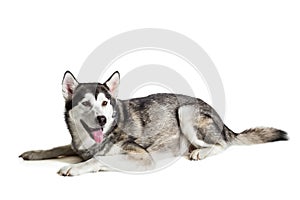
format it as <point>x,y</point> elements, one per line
<point>104,103</point>
<point>87,103</point>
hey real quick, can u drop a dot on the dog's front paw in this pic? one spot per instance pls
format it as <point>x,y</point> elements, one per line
<point>70,170</point>
<point>31,155</point>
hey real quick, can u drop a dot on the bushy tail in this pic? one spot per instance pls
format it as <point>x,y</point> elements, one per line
<point>259,135</point>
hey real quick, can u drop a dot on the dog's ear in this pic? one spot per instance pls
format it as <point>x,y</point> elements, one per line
<point>113,83</point>
<point>69,84</point>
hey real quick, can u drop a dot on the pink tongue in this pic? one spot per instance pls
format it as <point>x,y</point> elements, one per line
<point>98,135</point>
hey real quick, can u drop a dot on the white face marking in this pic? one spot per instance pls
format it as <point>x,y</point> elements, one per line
<point>89,97</point>
<point>87,110</point>
<point>76,114</point>
<point>106,110</point>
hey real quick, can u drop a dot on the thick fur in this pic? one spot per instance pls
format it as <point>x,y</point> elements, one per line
<point>259,136</point>
<point>141,128</point>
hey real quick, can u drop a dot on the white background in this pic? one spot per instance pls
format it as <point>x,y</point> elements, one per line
<point>255,46</point>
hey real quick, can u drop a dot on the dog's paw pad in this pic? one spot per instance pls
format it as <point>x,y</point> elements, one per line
<point>195,155</point>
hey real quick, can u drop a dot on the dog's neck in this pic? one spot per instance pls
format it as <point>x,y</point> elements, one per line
<point>121,112</point>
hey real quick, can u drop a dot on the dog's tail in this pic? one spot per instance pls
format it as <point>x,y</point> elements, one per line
<point>257,136</point>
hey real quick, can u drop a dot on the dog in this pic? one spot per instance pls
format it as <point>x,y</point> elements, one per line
<point>101,125</point>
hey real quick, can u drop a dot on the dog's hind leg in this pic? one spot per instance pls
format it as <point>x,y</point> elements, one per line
<point>56,152</point>
<point>204,130</point>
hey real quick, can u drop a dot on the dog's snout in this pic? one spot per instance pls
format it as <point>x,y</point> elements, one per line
<point>101,119</point>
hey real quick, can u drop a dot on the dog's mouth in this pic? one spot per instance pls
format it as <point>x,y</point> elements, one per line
<point>95,133</point>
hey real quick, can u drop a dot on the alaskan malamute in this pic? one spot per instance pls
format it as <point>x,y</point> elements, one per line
<point>141,128</point>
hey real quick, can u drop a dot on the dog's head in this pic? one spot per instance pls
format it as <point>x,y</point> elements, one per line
<point>91,105</point>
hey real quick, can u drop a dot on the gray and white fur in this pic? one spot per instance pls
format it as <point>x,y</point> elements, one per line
<point>160,124</point>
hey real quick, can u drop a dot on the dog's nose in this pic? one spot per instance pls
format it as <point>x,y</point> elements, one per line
<point>101,119</point>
